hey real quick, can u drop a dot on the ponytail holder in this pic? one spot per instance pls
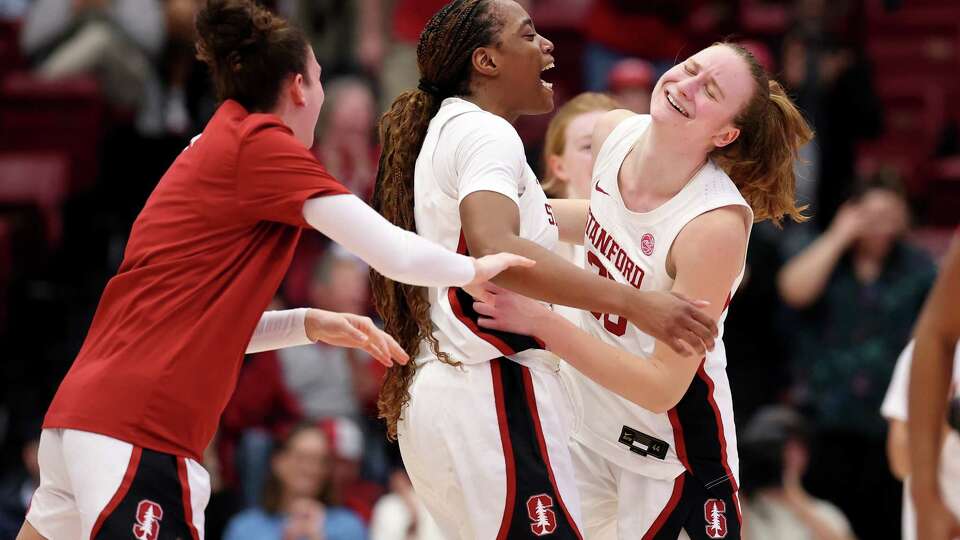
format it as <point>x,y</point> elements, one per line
<point>429,88</point>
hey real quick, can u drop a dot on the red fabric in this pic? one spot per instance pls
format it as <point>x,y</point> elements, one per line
<point>607,25</point>
<point>411,16</point>
<point>203,261</point>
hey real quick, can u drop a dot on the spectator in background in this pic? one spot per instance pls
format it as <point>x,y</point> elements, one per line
<point>346,137</point>
<point>631,82</point>
<point>114,40</point>
<point>399,515</point>
<point>612,28</point>
<point>832,80</point>
<point>856,291</point>
<point>310,382</point>
<point>18,485</point>
<point>568,160</point>
<point>774,456</point>
<point>347,488</point>
<point>898,442</point>
<point>294,505</point>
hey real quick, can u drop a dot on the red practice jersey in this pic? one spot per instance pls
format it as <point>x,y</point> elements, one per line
<point>203,261</point>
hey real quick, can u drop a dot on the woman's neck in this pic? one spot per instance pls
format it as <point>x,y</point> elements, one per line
<point>658,168</point>
<point>488,101</point>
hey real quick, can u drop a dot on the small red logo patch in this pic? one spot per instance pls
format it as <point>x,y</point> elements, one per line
<point>543,520</point>
<point>149,515</point>
<point>714,512</point>
<point>647,244</point>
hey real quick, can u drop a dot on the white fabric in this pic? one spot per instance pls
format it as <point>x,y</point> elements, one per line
<point>769,518</point>
<point>895,408</point>
<point>79,474</point>
<point>451,446</point>
<point>396,253</point>
<point>632,248</point>
<point>392,518</point>
<point>466,150</point>
<point>618,504</point>
<point>278,330</point>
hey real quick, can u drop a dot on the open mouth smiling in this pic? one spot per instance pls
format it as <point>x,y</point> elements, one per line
<point>673,103</point>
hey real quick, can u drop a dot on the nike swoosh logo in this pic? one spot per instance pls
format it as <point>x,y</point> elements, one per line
<point>600,189</point>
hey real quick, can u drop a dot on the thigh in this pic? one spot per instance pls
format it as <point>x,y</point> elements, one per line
<point>123,490</point>
<point>53,509</point>
<point>478,446</point>
<point>597,486</point>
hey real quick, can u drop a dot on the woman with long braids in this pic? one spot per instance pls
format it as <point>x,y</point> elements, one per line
<point>480,415</point>
<point>654,444</point>
<point>122,441</point>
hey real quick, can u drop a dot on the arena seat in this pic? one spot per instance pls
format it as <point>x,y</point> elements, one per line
<point>45,116</point>
<point>38,179</point>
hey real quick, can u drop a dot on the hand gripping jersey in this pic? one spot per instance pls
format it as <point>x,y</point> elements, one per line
<point>467,150</point>
<point>628,247</point>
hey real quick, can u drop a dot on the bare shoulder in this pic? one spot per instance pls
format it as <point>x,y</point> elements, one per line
<point>606,124</point>
<point>718,234</point>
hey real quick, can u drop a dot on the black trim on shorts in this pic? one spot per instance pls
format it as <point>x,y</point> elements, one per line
<point>531,486</point>
<point>153,506</point>
<point>700,512</point>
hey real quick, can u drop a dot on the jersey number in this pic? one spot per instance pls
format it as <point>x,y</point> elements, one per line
<point>614,324</point>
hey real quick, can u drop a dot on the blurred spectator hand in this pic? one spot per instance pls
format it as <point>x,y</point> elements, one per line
<point>306,521</point>
<point>849,223</point>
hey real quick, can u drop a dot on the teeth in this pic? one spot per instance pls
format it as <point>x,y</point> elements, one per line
<point>677,105</point>
<point>547,84</point>
<point>548,66</point>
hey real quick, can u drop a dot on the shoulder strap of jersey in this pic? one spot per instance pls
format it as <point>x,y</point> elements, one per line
<point>618,143</point>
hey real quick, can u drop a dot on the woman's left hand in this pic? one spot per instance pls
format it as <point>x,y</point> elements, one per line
<point>505,310</point>
<point>354,331</point>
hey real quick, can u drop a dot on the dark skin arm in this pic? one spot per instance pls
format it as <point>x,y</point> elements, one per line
<point>936,335</point>
<point>491,224</point>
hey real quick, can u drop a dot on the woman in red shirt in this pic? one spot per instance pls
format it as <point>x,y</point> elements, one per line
<point>122,439</point>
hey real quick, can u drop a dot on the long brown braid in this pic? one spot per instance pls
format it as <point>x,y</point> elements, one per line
<point>444,58</point>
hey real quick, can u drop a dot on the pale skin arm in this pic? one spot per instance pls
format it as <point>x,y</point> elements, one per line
<point>708,255</point>
<point>571,217</point>
<point>491,224</point>
<point>936,336</point>
<point>804,277</point>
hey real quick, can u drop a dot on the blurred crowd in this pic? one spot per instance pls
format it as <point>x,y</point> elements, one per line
<point>98,96</point>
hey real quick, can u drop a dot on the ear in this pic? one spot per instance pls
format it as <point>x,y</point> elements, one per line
<point>485,62</point>
<point>726,136</point>
<point>297,95</point>
<point>556,168</point>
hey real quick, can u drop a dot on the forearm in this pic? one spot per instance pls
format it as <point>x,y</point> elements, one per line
<point>553,279</point>
<point>803,279</point>
<point>646,382</point>
<point>571,217</point>
<point>394,252</point>
<point>278,330</point>
<point>930,377</point>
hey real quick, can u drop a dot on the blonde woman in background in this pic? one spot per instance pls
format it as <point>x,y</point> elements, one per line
<point>567,158</point>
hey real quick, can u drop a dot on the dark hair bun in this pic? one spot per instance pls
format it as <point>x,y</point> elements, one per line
<point>249,50</point>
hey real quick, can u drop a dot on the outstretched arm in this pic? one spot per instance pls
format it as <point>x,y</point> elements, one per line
<point>491,223</point>
<point>708,256</point>
<point>397,253</point>
<point>936,338</point>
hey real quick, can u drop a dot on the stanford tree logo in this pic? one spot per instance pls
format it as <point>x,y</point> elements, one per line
<point>149,515</point>
<point>714,511</point>
<point>543,520</point>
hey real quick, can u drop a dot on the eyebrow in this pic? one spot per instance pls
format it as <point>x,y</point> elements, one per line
<point>525,22</point>
<point>698,67</point>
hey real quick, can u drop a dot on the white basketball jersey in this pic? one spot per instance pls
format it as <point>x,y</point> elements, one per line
<point>460,137</point>
<point>630,247</point>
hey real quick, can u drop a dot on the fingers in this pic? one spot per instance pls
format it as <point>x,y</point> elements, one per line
<point>693,343</point>
<point>483,292</point>
<point>492,324</point>
<point>510,260</point>
<point>484,309</point>
<point>381,345</point>
<point>705,327</point>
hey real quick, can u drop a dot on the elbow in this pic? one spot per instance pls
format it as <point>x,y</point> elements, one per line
<point>482,245</point>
